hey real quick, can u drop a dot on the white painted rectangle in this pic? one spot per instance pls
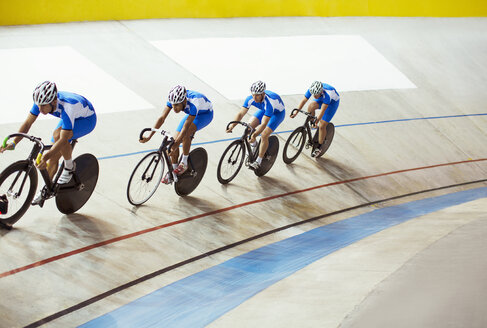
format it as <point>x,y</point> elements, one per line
<point>22,69</point>
<point>288,65</point>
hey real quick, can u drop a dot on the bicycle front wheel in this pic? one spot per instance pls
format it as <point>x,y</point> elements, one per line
<point>231,162</point>
<point>145,178</point>
<point>19,184</point>
<point>294,145</point>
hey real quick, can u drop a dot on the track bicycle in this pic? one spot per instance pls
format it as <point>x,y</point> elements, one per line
<point>147,174</point>
<point>301,137</point>
<point>234,155</point>
<point>18,183</point>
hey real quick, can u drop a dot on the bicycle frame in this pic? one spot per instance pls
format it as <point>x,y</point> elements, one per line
<point>166,144</point>
<point>245,138</point>
<point>307,125</point>
<point>52,188</point>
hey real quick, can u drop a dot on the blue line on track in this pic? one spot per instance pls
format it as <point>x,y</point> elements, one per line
<point>201,298</point>
<point>289,131</point>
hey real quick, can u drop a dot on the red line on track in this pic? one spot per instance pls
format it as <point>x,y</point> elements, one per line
<point>226,209</point>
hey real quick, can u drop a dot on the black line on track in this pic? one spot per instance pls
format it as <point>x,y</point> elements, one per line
<point>149,276</point>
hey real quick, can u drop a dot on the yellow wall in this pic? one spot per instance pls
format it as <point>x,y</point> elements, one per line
<point>17,12</point>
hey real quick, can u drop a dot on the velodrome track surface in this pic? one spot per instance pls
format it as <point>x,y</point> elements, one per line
<point>392,147</point>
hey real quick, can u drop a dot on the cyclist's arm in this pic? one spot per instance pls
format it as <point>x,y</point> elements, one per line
<point>300,106</point>
<point>185,129</point>
<point>24,128</point>
<point>239,116</point>
<point>162,118</point>
<point>302,103</point>
<point>64,137</point>
<point>160,121</point>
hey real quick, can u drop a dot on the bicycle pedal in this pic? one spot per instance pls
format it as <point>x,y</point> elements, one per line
<point>39,203</point>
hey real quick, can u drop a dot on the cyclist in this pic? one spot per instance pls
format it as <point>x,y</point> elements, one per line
<point>199,113</point>
<point>270,114</point>
<point>77,119</point>
<point>326,98</point>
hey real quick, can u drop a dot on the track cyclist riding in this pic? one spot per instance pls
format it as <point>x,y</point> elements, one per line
<point>325,98</point>
<point>77,119</point>
<point>270,114</point>
<point>199,113</point>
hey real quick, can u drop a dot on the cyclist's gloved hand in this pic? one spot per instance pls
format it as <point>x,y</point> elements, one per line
<point>294,112</point>
<point>315,123</point>
<point>10,146</point>
<point>42,164</point>
<point>145,139</point>
<point>253,137</point>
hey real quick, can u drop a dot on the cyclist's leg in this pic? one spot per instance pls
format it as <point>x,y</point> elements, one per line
<point>274,122</point>
<point>313,106</point>
<point>254,122</point>
<point>322,134</point>
<point>175,154</point>
<point>264,141</point>
<point>187,140</point>
<point>52,164</point>
<point>82,126</point>
<point>256,118</point>
<point>199,122</point>
<point>330,112</point>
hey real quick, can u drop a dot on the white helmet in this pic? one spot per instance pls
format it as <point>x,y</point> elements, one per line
<point>316,88</point>
<point>257,87</point>
<point>177,95</point>
<point>45,93</point>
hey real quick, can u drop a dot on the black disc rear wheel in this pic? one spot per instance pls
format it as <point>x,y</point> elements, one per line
<point>330,132</point>
<point>189,180</point>
<point>269,157</point>
<point>71,198</point>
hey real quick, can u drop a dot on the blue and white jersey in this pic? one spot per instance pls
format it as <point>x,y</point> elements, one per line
<point>272,103</point>
<point>329,94</point>
<point>197,103</point>
<point>70,106</point>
